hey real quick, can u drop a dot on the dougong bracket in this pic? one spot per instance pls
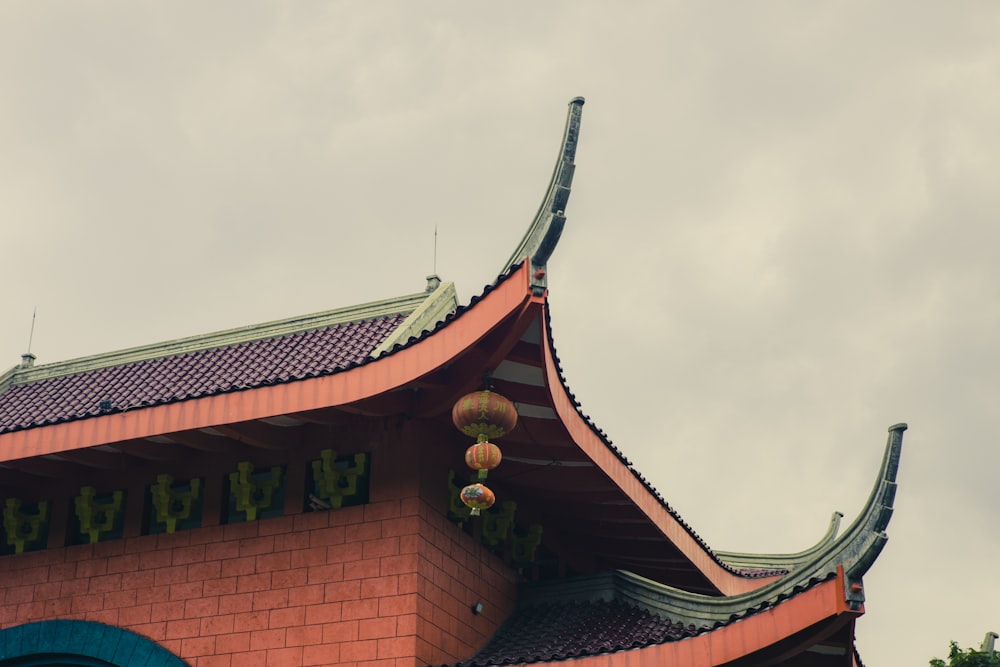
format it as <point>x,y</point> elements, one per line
<point>23,529</point>
<point>458,513</point>
<point>498,524</point>
<point>97,517</point>
<point>173,506</point>
<point>252,495</point>
<point>335,482</point>
<point>524,547</point>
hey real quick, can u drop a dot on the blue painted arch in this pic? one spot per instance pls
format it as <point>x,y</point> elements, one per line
<point>83,643</point>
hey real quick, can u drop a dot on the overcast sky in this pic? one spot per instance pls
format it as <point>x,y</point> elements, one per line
<point>783,235</point>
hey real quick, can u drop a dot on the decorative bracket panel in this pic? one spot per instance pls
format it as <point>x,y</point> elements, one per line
<point>334,483</point>
<point>253,495</point>
<point>23,529</point>
<point>172,506</point>
<point>458,512</point>
<point>97,517</point>
<point>497,524</point>
<point>524,547</point>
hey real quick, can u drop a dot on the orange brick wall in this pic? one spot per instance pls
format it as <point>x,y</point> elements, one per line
<point>388,584</point>
<point>455,573</point>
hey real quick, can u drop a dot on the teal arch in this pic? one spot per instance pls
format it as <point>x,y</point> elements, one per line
<point>80,643</point>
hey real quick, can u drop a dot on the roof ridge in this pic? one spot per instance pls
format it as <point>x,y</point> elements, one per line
<point>217,339</point>
<point>439,304</point>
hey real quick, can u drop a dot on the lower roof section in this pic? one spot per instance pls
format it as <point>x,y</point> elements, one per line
<point>604,631</point>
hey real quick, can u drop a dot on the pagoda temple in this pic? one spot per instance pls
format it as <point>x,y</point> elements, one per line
<point>402,483</point>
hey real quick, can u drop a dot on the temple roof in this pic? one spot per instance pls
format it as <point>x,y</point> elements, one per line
<point>233,360</point>
<point>657,581</point>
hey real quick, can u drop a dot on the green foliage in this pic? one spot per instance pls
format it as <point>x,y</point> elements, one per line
<point>967,658</point>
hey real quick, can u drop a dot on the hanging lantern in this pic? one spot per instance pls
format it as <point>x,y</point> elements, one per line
<point>477,497</point>
<point>483,456</point>
<point>484,413</point>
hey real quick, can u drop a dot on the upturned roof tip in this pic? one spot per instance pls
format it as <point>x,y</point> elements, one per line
<point>546,228</point>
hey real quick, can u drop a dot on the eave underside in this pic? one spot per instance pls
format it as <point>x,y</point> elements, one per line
<point>555,481</point>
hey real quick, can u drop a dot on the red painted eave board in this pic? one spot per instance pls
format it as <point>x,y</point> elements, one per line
<point>598,451</point>
<point>361,382</point>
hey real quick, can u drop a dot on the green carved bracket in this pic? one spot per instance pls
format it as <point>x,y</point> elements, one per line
<point>335,483</point>
<point>253,495</point>
<point>22,528</point>
<point>458,512</point>
<point>173,506</point>
<point>523,548</point>
<point>96,517</point>
<point>498,523</point>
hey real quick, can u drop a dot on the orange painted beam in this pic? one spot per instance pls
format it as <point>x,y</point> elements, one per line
<point>739,639</point>
<point>591,444</point>
<point>371,379</point>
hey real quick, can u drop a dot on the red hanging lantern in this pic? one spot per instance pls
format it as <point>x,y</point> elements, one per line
<point>483,456</point>
<point>484,415</point>
<point>477,497</point>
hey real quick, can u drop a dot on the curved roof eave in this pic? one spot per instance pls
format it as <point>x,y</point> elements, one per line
<point>849,556</point>
<point>782,561</point>
<point>599,448</point>
<point>404,363</point>
<point>812,614</point>
<point>857,548</point>
<point>546,228</point>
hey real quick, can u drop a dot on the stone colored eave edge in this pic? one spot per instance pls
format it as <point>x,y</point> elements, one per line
<point>783,561</point>
<point>856,549</point>
<point>441,303</point>
<point>547,226</point>
<point>819,598</point>
<point>228,337</point>
<point>852,553</point>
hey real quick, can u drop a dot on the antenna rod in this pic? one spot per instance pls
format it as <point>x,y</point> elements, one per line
<point>435,250</point>
<point>31,335</point>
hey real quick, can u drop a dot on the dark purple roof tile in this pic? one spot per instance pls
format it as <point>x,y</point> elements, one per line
<point>561,630</point>
<point>547,632</point>
<point>194,374</point>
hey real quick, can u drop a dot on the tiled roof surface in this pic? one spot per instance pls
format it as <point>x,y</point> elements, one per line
<point>548,632</point>
<point>195,374</point>
<point>758,573</point>
<point>562,630</point>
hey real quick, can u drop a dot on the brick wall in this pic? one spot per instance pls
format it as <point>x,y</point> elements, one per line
<point>388,584</point>
<point>454,574</point>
